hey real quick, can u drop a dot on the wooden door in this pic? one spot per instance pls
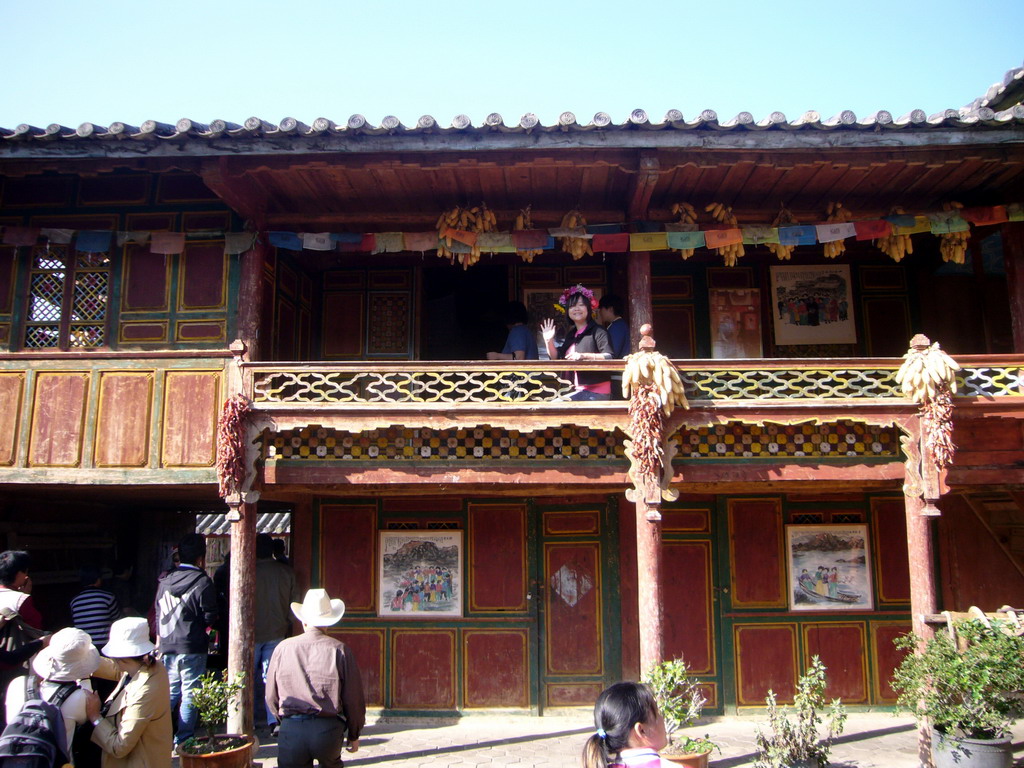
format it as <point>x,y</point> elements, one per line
<point>579,637</point>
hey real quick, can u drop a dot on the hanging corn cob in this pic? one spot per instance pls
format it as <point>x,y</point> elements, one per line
<point>894,245</point>
<point>723,215</point>
<point>953,245</point>
<point>837,215</point>
<point>578,247</point>
<point>928,377</point>
<point>524,221</point>
<point>784,219</point>
<point>476,219</point>
<point>687,217</point>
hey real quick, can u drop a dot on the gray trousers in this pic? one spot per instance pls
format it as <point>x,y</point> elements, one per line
<point>302,741</point>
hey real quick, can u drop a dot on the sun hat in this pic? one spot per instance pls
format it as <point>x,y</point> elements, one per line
<point>69,656</point>
<point>317,609</point>
<point>129,637</point>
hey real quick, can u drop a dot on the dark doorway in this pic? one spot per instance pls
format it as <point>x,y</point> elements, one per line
<point>462,311</point>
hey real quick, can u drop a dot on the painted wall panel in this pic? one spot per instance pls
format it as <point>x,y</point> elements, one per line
<point>686,573</point>
<point>342,329</point>
<point>348,543</point>
<point>572,694</point>
<point>892,567</point>
<point>423,669</point>
<point>841,647</point>
<point>146,280</point>
<point>496,668</point>
<point>203,275</point>
<point>191,405</point>
<point>12,386</point>
<point>765,659</point>
<point>887,657</point>
<point>58,419</point>
<point>571,523</point>
<point>573,608</point>
<point>122,429</point>
<point>368,647</point>
<point>497,552</point>
<point>755,553</point>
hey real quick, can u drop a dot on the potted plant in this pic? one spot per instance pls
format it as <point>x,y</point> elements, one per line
<point>680,700</point>
<point>211,699</point>
<point>968,690</point>
<point>794,741</point>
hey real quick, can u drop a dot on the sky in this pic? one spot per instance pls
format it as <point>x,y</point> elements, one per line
<point>77,61</point>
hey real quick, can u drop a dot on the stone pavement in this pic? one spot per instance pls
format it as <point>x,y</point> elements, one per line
<point>871,740</point>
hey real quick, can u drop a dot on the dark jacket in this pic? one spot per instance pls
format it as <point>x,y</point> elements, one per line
<point>186,604</point>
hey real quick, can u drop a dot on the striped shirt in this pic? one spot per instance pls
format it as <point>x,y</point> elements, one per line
<point>93,610</point>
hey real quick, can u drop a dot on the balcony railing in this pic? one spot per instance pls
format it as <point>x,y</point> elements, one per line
<point>405,383</point>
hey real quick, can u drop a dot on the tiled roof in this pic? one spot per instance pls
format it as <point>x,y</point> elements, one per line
<point>1004,95</point>
<point>217,523</point>
<point>976,115</point>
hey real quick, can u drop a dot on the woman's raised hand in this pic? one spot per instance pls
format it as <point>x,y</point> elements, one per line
<point>547,329</point>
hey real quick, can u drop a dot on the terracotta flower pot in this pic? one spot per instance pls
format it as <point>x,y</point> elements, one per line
<point>237,757</point>
<point>693,760</point>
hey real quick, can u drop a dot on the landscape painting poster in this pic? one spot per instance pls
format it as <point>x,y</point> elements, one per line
<point>829,568</point>
<point>420,574</point>
<point>812,305</point>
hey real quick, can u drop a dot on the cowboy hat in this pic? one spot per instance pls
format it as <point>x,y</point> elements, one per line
<point>317,609</point>
<point>69,656</point>
<point>129,637</point>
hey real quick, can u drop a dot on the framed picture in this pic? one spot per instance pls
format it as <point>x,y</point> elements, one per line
<point>735,322</point>
<point>420,574</point>
<point>540,305</point>
<point>829,568</point>
<point>813,305</point>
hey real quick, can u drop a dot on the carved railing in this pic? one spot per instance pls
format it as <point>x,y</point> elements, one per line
<point>449,383</point>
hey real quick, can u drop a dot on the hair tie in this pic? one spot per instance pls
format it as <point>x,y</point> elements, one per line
<point>601,733</point>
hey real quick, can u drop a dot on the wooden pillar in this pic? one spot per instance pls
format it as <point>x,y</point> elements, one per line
<point>640,308</point>
<point>250,302</point>
<point>242,614</point>
<point>648,567</point>
<point>1013,258</point>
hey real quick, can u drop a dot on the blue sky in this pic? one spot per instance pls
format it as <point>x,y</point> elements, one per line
<point>75,61</point>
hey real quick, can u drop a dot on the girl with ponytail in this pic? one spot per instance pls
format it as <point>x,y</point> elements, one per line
<point>630,730</point>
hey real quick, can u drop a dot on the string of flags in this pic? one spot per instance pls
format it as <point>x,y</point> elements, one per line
<point>606,238</point>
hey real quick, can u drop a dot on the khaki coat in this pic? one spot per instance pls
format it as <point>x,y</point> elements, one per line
<point>136,733</point>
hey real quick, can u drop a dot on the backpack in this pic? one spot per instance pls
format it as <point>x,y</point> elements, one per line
<point>36,737</point>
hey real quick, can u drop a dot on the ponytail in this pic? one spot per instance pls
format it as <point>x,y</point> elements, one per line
<point>595,755</point>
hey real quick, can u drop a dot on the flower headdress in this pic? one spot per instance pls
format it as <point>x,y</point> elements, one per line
<point>563,300</point>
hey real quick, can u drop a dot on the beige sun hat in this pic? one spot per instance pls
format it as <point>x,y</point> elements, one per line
<point>129,637</point>
<point>317,609</point>
<point>70,656</point>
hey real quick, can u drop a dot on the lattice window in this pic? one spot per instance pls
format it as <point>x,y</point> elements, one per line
<point>403,525</point>
<point>443,525</point>
<point>807,518</point>
<point>847,517</point>
<point>67,298</point>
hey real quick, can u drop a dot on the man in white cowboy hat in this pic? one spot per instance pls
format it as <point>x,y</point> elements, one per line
<point>314,689</point>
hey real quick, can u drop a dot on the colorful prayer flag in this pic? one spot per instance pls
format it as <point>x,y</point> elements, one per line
<point>983,216</point>
<point>287,240</point>
<point>759,235</point>
<point>317,241</point>
<point>719,238</point>
<point>648,241</point>
<point>685,240</point>
<point>798,235</point>
<point>872,229</point>
<point>389,242</point>
<point>618,243</point>
<point>840,230</point>
<point>93,241</point>
<point>21,235</point>
<point>167,242</point>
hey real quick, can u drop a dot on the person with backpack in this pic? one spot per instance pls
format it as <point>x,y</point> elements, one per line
<point>133,728</point>
<point>20,622</point>
<point>186,605</point>
<point>64,668</point>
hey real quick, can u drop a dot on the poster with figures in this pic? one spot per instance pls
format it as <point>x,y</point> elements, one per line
<point>420,574</point>
<point>829,568</point>
<point>813,305</point>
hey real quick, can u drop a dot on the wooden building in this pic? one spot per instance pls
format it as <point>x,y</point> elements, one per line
<point>133,305</point>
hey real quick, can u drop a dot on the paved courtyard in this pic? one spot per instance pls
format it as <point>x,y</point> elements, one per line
<point>870,740</point>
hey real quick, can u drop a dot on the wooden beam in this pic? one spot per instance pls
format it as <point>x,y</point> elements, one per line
<point>241,615</point>
<point>641,186</point>
<point>239,194</point>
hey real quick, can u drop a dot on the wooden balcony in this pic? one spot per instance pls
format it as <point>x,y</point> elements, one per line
<point>339,424</point>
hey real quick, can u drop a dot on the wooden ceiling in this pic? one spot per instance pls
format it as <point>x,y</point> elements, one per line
<point>381,193</point>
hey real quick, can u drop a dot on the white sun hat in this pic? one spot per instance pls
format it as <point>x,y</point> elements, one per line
<point>317,609</point>
<point>129,637</point>
<point>70,656</point>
